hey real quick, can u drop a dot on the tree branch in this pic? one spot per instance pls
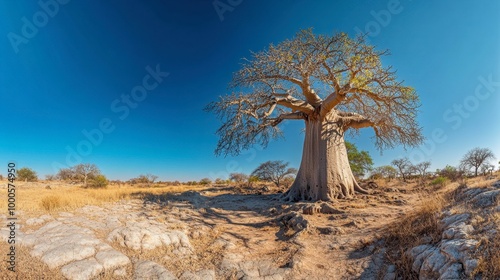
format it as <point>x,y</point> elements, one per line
<point>295,104</point>
<point>357,121</point>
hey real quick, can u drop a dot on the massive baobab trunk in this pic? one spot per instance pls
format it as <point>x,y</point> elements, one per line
<point>325,173</point>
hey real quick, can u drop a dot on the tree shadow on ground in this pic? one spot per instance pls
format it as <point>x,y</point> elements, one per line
<point>248,212</point>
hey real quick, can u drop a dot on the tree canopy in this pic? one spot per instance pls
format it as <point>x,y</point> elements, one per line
<point>361,162</point>
<point>26,174</point>
<point>307,77</point>
<point>273,171</point>
<point>476,158</point>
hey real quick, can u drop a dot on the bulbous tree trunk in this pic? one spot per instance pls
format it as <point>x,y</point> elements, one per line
<point>324,173</point>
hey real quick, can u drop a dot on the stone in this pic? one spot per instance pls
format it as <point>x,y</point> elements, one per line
<point>199,275</point>
<point>120,272</point>
<point>112,259</point>
<point>34,221</point>
<point>82,270</point>
<point>419,254</point>
<point>66,253</point>
<point>146,270</point>
<point>458,231</point>
<point>470,265</point>
<point>486,199</point>
<point>455,219</point>
<point>147,236</point>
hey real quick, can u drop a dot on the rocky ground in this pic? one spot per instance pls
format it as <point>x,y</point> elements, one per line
<point>216,234</point>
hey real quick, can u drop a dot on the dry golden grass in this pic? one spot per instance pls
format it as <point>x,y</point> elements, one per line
<point>34,198</point>
<point>489,257</point>
<point>482,181</point>
<point>27,267</point>
<point>418,227</point>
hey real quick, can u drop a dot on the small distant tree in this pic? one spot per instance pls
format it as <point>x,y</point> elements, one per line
<point>220,181</point>
<point>98,181</point>
<point>288,181</point>
<point>360,161</point>
<point>86,171</point>
<point>145,179</point>
<point>252,180</point>
<point>205,181</point>
<point>151,178</point>
<point>50,177</point>
<point>386,172</point>
<point>451,173</point>
<point>66,174</point>
<point>27,174</point>
<point>476,158</point>
<point>487,169</point>
<point>1,177</point>
<point>404,167</point>
<point>238,177</point>
<point>421,169</point>
<point>273,171</point>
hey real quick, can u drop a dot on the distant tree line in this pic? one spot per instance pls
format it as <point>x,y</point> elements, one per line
<point>88,174</point>
<point>474,163</point>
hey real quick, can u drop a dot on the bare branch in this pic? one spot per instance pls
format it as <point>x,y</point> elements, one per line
<point>249,119</point>
<point>295,104</point>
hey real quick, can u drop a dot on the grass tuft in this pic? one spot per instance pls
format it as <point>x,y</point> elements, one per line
<point>421,226</point>
<point>51,203</point>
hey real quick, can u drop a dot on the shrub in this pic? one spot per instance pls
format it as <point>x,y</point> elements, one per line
<point>205,181</point>
<point>451,173</point>
<point>440,181</point>
<point>26,174</point>
<point>51,202</point>
<point>98,181</point>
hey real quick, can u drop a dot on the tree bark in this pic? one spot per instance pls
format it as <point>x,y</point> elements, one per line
<point>324,173</point>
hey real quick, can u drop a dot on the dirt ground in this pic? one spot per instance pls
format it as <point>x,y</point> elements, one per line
<point>251,234</point>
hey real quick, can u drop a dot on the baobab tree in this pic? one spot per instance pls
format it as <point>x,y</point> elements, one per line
<point>335,85</point>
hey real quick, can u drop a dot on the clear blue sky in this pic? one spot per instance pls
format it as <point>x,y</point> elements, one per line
<point>68,71</point>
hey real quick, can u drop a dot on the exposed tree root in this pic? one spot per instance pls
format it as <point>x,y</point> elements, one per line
<point>324,208</point>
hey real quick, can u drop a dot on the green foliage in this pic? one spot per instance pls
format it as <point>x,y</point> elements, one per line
<point>440,181</point>
<point>205,181</point>
<point>451,173</point>
<point>26,174</point>
<point>99,181</point>
<point>360,161</point>
<point>252,180</point>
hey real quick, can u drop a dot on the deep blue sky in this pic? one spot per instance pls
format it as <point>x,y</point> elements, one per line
<point>66,76</point>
